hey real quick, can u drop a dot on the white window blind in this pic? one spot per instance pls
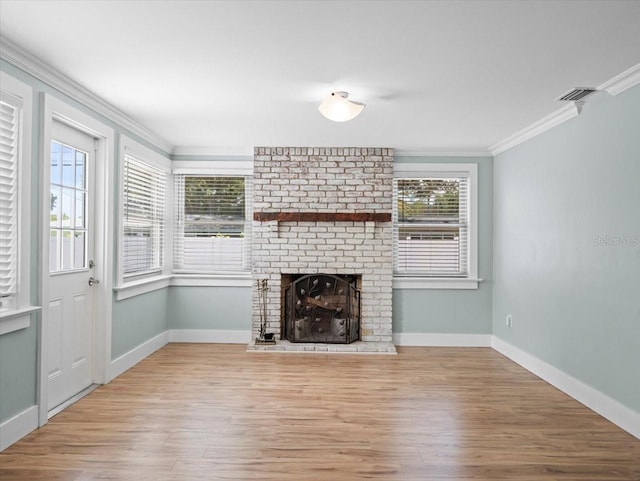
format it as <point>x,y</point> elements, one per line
<point>9,142</point>
<point>143,217</point>
<point>431,227</point>
<point>212,223</point>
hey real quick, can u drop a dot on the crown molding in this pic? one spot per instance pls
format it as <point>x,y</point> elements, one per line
<point>441,153</point>
<point>20,58</point>
<point>618,84</point>
<point>213,153</point>
<point>556,118</point>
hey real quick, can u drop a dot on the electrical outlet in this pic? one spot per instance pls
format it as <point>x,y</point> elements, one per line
<point>509,320</point>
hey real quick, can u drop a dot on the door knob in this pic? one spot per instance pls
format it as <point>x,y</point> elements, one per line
<point>93,281</point>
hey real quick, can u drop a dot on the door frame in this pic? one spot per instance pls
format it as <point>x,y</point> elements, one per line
<point>54,109</point>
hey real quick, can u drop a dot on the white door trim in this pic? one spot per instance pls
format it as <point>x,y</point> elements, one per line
<point>55,109</point>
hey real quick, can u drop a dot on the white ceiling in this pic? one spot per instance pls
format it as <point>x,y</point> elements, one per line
<point>224,76</point>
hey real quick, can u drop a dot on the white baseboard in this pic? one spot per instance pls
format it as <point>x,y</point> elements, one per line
<point>209,335</point>
<point>441,340</point>
<point>18,426</point>
<point>607,407</point>
<point>137,354</point>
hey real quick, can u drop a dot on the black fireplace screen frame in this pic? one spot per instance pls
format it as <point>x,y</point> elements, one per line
<point>322,308</point>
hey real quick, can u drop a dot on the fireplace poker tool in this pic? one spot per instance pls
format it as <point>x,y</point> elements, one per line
<point>264,337</point>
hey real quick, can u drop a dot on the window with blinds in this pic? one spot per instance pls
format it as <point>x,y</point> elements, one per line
<point>431,226</point>
<point>9,142</point>
<point>143,217</point>
<point>212,224</point>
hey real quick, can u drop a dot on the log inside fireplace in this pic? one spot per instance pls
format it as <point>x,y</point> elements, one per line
<point>321,308</point>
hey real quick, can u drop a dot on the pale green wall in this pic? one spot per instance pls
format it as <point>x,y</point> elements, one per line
<point>138,319</point>
<point>454,311</point>
<point>442,311</point>
<point>226,308</point>
<point>18,366</point>
<point>573,295</point>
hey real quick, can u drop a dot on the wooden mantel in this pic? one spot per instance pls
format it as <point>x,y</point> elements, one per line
<point>322,216</point>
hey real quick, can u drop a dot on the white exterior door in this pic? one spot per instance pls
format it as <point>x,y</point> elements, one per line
<point>71,251</point>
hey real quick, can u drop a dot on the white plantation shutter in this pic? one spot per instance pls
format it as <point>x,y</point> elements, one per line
<point>431,226</point>
<point>143,217</point>
<point>9,141</point>
<point>212,228</point>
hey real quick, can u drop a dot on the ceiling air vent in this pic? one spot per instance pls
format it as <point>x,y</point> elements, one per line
<point>576,94</point>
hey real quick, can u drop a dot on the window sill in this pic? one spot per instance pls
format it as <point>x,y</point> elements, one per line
<point>16,319</point>
<point>434,283</point>
<point>208,280</point>
<point>142,286</point>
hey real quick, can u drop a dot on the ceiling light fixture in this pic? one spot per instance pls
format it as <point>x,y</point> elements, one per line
<point>339,108</point>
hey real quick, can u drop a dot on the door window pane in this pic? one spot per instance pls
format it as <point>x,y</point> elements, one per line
<point>68,208</point>
<point>55,203</point>
<point>79,250</point>
<point>80,207</point>
<point>68,165</point>
<point>54,264</point>
<point>81,160</point>
<point>56,162</point>
<point>67,250</point>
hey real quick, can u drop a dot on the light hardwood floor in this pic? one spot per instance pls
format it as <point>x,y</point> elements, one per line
<point>207,411</point>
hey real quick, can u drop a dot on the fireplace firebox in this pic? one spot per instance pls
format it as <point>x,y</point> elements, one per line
<point>321,308</point>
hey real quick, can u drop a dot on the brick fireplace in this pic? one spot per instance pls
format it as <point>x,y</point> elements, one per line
<point>323,211</point>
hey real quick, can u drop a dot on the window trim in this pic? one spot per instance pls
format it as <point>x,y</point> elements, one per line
<point>18,316</point>
<point>218,168</point>
<point>128,285</point>
<point>179,200</point>
<point>442,170</point>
